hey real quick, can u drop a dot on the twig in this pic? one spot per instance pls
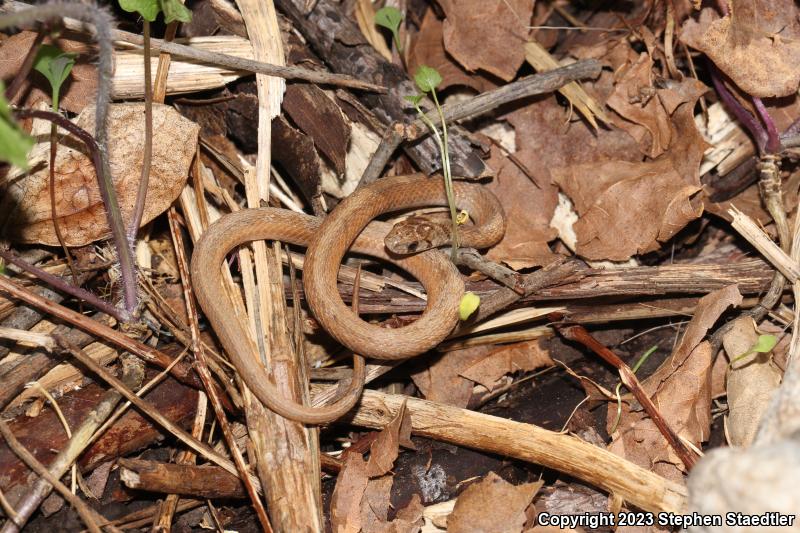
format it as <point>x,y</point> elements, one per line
<point>580,334</point>
<point>103,24</point>
<point>61,285</point>
<point>79,441</point>
<point>89,516</point>
<point>525,442</point>
<point>205,375</point>
<point>541,83</point>
<point>469,257</point>
<point>199,447</point>
<point>182,373</point>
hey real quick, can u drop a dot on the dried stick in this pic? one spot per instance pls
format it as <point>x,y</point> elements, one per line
<point>80,440</point>
<point>541,83</point>
<point>147,154</point>
<point>525,442</point>
<point>224,60</point>
<point>205,374</point>
<point>182,373</point>
<point>90,517</point>
<point>580,334</point>
<point>199,447</point>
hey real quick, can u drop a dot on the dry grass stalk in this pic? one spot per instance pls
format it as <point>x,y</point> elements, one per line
<point>748,229</point>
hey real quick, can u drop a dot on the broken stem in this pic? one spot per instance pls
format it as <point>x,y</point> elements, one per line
<point>141,193</point>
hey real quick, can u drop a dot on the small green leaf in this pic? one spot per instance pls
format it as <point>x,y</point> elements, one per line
<point>469,303</point>
<point>427,78</point>
<point>14,143</point>
<point>54,65</point>
<point>390,18</point>
<point>148,9</point>
<point>175,10</point>
<point>415,99</point>
<point>764,344</point>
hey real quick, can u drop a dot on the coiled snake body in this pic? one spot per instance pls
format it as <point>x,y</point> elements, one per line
<point>349,226</point>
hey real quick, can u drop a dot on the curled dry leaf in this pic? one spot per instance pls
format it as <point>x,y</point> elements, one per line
<point>487,36</point>
<point>523,356</point>
<point>386,446</point>
<point>757,45</point>
<point>752,380</point>
<point>628,208</point>
<point>681,391</point>
<point>492,505</point>
<point>346,499</point>
<point>81,213</point>
<point>440,381</point>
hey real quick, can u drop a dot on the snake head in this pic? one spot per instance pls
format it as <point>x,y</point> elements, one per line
<point>417,234</point>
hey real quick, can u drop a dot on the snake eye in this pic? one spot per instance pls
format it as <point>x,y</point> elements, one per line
<point>412,247</point>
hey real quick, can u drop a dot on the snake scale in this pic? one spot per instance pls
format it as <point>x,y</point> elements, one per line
<point>350,226</point>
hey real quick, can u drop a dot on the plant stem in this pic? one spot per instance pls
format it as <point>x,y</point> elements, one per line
<point>109,200</point>
<point>56,226</point>
<point>141,193</point>
<point>448,178</point>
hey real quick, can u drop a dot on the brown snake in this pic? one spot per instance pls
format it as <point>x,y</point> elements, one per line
<point>350,226</point>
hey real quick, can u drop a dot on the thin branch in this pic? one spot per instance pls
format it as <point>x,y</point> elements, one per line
<point>141,193</point>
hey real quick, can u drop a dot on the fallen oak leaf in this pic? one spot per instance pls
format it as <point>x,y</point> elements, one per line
<point>523,356</point>
<point>384,449</point>
<point>346,498</point>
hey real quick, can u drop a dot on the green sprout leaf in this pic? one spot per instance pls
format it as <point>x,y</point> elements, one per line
<point>14,143</point>
<point>427,78</point>
<point>415,99</point>
<point>54,65</point>
<point>174,10</point>
<point>148,9</point>
<point>469,303</point>
<point>390,18</point>
<point>764,344</point>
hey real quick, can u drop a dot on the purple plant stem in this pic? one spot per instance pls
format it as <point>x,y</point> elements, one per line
<point>62,285</point>
<point>750,122</point>
<point>109,198</point>
<point>773,144</point>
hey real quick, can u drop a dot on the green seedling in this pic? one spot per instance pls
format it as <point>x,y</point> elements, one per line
<point>390,18</point>
<point>54,65</point>
<point>635,368</point>
<point>469,303</point>
<point>173,10</point>
<point>427,80</point>
<point>764,344</point>
<point>14,143</point>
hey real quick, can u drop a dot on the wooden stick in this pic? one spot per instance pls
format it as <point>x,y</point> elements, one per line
<point>525,442</point>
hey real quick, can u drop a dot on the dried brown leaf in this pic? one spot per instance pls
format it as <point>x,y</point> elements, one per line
<point>440,380</point>
<point>681,391</point>
<point>81,213</point>
<point>375,503</point>
<point>346,499</point>
<point>752,380</point>
<point>428,49</point>
<point>523,356</point>
<point>492,505</point>
<point>529,207</point>
<point>757,45</point>
<point>628,208</point>
<point>487,36</point>
<point>80,88</point>
<point>385,447</point>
